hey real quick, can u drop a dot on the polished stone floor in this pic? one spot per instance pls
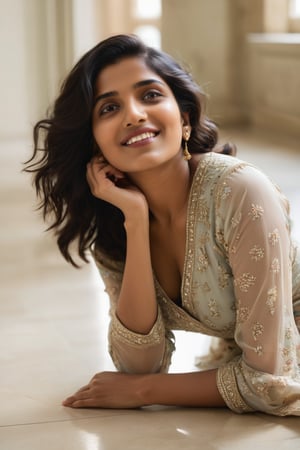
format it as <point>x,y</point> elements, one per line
<point>53,325</point>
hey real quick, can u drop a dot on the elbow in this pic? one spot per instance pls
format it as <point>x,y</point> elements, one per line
<point>141,361</point>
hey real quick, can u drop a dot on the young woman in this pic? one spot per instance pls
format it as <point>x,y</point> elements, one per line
<point>185,236</point>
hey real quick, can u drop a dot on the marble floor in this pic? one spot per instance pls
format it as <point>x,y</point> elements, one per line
<point>53,326</point>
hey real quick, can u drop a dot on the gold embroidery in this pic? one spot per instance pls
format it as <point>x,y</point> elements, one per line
<point>274,237</point>
<point>256,211</point>
<point>226,192</point>
<point>203,239</point>
<point>205,287</point>
<point>235,220</point>
<point>156,335</point>
<point>202,260</point>
<point>257,330</point>
<point>271,299</point>
<point>288,366</point>
<point>275,266</point>
<point>288,333</point>
<point>202,211</point>
<point>245,281</point>
<point>259,350</point>
<point>213,308</point>
<point>285,352</point>
<point>243,314</point>
<point>223,277</point>
<point>226,383</point>
<point>256,253</point>
<point>221,239</point>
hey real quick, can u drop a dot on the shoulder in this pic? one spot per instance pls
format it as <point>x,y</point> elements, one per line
<point>211,169</point>
<point>230,170</point>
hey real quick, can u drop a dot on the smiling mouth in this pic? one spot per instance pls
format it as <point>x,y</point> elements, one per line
<point>141,137</point>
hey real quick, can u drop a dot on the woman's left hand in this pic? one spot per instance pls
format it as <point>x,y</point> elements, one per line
<point>108,390</point>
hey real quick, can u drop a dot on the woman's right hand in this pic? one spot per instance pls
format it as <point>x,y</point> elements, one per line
<point>110,184</point>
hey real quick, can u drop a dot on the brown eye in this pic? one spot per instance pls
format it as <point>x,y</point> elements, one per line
<point>111,107</point>
<point>152,95</point>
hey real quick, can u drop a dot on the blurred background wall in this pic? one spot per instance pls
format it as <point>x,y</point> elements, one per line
<point>246,54</point>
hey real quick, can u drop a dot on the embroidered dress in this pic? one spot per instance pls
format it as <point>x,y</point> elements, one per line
<point>241,284</point>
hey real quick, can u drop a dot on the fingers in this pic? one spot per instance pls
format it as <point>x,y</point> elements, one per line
<point>84,398</point>
<point>99,164</point>
<point>102,176</point>
<point>84,394</point>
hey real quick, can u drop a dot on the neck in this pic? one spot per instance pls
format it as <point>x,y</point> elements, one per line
<point>168,197</point>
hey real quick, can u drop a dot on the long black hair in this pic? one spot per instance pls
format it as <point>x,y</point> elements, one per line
<point>63,145</point>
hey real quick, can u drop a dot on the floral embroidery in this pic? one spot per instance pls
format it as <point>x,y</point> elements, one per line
<point>223,277</point>
<point>274,237</point>
<point>243,313</point>
<point>262,388</point>
<point>226,191</point>
<point>259,350</point>
<point>205,287</point>
<point>203,239</point>
<point>236,385</point>
<point>288,365</point>
<point>275,266</point>
<point>202,211</point>
<point>220,237</point>
<point>209,323</point>
<point>213,308</point>
<point>285,352</point>
<point>271,299</point>
<point>256,211</point>
<point>288,333</point>
<point>202,260</point>
<point>245,281</point>
<point>256,253</point>
<point>233,249</point>
<point>257,330</point>
<point>235,220</point>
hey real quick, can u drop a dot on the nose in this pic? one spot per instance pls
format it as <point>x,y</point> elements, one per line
<point>134,114</point>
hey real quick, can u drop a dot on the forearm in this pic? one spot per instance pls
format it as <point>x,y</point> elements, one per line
<point>120,390</point>
<point>137,306</point>
<point>195,389</point>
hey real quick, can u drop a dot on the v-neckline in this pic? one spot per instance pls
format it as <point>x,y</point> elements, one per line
<point>185,284</point>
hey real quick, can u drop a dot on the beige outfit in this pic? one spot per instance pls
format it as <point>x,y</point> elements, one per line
<point>241,283</point>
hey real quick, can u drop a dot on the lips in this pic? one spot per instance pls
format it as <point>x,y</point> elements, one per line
<point>139,136</point>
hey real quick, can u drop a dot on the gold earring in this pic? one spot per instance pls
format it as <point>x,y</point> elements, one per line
<point>186,154</point>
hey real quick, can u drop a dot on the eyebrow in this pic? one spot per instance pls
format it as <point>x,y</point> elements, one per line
<point>135,86</point>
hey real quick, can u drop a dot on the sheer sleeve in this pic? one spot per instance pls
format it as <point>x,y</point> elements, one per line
<point>132,352</point>
<point>255,227</point>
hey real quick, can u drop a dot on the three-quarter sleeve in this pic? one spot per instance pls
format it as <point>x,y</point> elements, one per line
<point>132,352</point>
<point>255,228</point>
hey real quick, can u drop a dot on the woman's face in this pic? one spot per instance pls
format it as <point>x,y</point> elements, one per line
<point>136,120</point>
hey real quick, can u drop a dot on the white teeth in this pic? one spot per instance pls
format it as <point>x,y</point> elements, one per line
<point>140,137</point>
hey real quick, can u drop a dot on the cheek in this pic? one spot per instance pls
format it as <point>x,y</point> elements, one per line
<point>172,117</point>
<point>102,135</point>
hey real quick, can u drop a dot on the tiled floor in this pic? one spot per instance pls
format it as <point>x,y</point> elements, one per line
<point>53,324</point>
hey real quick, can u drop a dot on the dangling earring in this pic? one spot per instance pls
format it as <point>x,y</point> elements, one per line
<point>186,154</point>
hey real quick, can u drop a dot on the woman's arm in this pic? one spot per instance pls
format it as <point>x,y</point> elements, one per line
<point>134,308</point>
<point>253,217</point>
<point>137,306</point>
<point>119,390</point>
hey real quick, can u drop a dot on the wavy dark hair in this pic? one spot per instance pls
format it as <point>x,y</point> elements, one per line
<point>64,143</point>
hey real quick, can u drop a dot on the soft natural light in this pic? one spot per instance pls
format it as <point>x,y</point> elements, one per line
<point>147,9</point>
<point>150,35</point>
<point>295,8</point>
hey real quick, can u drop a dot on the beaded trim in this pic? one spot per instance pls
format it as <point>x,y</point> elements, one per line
<point>228,389</point>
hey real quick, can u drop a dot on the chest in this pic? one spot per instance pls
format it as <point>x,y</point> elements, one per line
<point>168,257</point>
